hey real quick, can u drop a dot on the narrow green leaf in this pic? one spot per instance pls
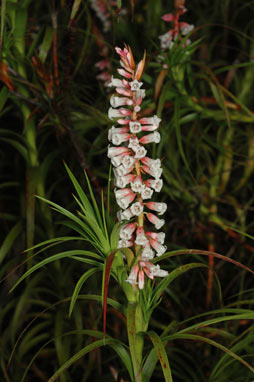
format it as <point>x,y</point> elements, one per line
<point>162,355</point>
<point>165,282</point>
<point>80,354</point>
<point>195,337</point>
<point>46,44</point>
<point>74,10</point>
<point>48,260</point>
<point>9,240</point>
<point>79,285</point>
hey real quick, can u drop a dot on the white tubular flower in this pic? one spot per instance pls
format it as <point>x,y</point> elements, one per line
<point>156,271</point>
<point>135,85</point>
<point>166,41</point>
<point>117,113</point>
<point>152,163</point>
<point>160,236</point>
<point>122,181</point>
<point>118,139</point>
<point>121,171</point>
<point>158,207</point>
<point>124,215</point>
<point>186,28</point>
<point>122,193</point>
<point>127,231</point>
<point>116,161</point>
<point>159,248</point>
<point>126,200</point>
<point>147,253</point>
<point>136,208</point>
<point>140,93</point>
<point>149,127</point>
<point>135,127</point>
<point>141,238</point>
<point>114,130</point>
<point>133,276</point>
<point>128,161</point>
<point>116,82</point>
<point>155,120</point>
<point>137,185</point>
<point>140,152</point>
<point>133,143</point>
<point>156,184</point>
<point>146,193</point>
<point>150,138</point>
<point>155,220</point>
<point>114,151</point>
<point>120,101</point>
<point>156,173</point>
<point>124,243</point>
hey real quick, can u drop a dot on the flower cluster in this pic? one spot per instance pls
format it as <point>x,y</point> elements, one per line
<point>137,176</point>
<point>179,30</point>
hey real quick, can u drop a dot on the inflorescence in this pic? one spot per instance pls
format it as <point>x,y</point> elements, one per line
<point>137,176</point>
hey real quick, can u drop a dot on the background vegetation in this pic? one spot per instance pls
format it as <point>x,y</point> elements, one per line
<point>53,107</point>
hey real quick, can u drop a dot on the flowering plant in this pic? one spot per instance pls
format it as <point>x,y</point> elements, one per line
<point>137,178</point>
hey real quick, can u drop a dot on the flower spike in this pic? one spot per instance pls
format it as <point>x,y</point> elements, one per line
<point>133,168</point>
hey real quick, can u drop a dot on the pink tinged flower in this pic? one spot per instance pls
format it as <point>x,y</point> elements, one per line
<point>116,113</point>
<point>103,64</point>
<point>123,121</point>
<point>124,243</point>
<point>155,120</point>
<point>147,253</point>
<point>136,85</point>
<point>136,208</point>
<point>149,127</point>
<point>133,276</point>
<point>124,73</point>
<point>124,92</point>
<point>156,184</point>
<point>121,170</point>
<point>128,161</point>
<point>140,94</point>
<point>140,152</point>
<point>156,173</point>
<point>114,151</point>
<point>124,215</point>
<point>135,127</point>
<point>168,17</point>
<point>137,108</point>
<point>146,193</point>
<point>118,130</point>
<point>126,201</point>
<point>140,236</point>
<point>115,82</point>
<point>158,207</point>
<point>156,271</point>
<point>137,185</point>
<point>159,248</point>
<point>160,236</point>
<point>122,181</point>
<point>141,279</point>
<point>118,139</point>
<point>127,231</point>
<point>152,163</point>
<point>122,193</point>
<point>155,220</point>
<point>120,101</point>
<point>133,143</point>
<point>186,28</point>
<point>150,138</point>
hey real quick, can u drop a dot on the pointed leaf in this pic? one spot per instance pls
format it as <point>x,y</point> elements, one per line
<point>162,355</point>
